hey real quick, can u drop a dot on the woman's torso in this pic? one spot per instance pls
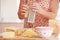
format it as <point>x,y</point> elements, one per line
<point>40,20</point>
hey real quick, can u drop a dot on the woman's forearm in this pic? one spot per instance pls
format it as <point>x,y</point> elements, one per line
<point>53,10</point>
<point>48,14</point>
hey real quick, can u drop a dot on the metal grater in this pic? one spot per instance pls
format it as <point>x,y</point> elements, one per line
<point>31,17</point>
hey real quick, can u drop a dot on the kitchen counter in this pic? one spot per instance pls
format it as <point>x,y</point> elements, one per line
<point>22,38</point>
<point>26,38</point>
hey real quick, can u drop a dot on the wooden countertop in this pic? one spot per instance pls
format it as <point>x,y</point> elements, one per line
<point>28,38</point>
<point>23,38</point>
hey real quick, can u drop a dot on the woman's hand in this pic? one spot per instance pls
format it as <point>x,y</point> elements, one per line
<point>36,7</point>
<point>24,8</point>
<point>51,14</point>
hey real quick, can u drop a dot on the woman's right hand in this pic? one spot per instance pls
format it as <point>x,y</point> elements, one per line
<point>24,8</point>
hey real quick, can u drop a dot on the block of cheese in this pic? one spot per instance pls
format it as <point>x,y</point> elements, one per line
<point>17,30</point>
<point>30,33</point>
<point>8,34</point>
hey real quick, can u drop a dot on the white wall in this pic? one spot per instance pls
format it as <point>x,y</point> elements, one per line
<point>0,10</point>
<point>0,6</point>
<point>9,10</point>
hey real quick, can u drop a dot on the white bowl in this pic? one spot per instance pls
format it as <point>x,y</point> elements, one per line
<point>44,31</point>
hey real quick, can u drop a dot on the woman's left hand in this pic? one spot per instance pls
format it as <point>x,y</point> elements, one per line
<point>36,7</point>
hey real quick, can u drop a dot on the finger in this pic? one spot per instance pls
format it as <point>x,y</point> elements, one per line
<point>24,8</point>
<point>23,11</point>
<point>34,10</point>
